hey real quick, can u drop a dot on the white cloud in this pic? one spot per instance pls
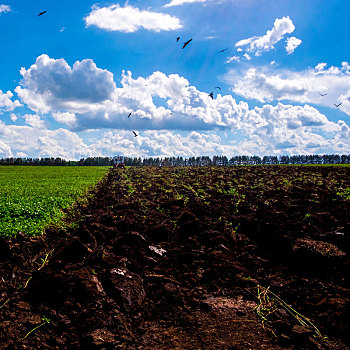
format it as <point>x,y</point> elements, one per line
<point>320,66</point>
<point>159,143</point>
<point>13,117</point>
<point>210,37</point>
<point>4,9</point>
<point>183,107</point>
<point>285,129</point>
<point>34,121</point>
<point>129,19</point>
<point>67,118</point>
<point>6,103</point>
<point>92,100</point>
<point>266,84</point>
<point>95,102</point>
<point>233,59</point>
<point>292,44</point>
<point>247,57</point>
<point>161,105</point>
<point>182,2</point>
<point>52,84</point>
<point>281,129</point>
<point>5,150</point>
<point>259,44</point>
<point>260,85</point>
<point>41,142</point>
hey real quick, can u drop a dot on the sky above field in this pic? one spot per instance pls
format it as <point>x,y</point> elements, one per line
<point>79,79</point>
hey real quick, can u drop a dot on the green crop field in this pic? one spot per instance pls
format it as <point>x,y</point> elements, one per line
<point>32,196</point>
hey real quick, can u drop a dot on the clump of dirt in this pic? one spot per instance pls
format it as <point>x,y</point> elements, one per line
<point>195,258</point>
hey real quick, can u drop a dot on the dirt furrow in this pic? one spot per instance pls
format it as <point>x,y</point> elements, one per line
<point>195,258</point>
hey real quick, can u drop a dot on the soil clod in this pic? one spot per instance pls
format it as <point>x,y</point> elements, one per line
<point>190,258</point>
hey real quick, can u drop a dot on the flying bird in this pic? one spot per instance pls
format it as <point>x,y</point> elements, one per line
<point>337,104</point>
<point>135,134</point>
<point>218,87</point>
<point>223,50</point>
<point>177,39</point>
<point>41,13</point>
<point>323,94</point>
<point>129,115</point>
<point>186,43</point>
<point>211,95</point>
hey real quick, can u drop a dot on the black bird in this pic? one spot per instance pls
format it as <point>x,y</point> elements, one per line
<point>135,134</point>
<point>337,104</point>
<point>323,94</point>
<point>41,13</point>
<point>177,39</point>
<point>223,50</point>
<point>218,87</point>
<point>186,43</point>
<point>211,95</point>
<point>129,115</point>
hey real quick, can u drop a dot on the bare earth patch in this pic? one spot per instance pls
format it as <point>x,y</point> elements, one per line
<point>187,258</point>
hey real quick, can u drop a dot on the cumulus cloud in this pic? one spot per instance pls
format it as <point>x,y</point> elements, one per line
<point>182,2</point>
<point>285,129</point>
<point>92,100</point>
<point>5,150</point>
<point>292,44</point>
<point>129,19</point>
<point>233,59</point>
<point>31,141</point>
<point>41,142</point>
<point>53,84</point>
<point>182,106</point>
<point>162,143</point>
<point>159,101</point>
<point>4,9</point>
<point>261,85</point>
<point>67,118</point>
<point>259,44</point>
<point>6,103</point>
<point>266,84</point>
<point>281,129</point>
<point>161,105</point>
<point>34,121</point>
<point>13,117</point>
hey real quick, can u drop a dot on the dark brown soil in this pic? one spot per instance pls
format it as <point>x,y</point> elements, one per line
<point>188,258</point>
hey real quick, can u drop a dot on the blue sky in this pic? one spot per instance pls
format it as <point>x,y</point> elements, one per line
<point>70,78</point>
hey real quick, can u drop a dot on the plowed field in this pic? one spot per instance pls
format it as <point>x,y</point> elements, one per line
<point>188,258</point>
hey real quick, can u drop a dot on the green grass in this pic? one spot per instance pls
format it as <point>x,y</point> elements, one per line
<point>31,197</point>
<point>344,193</point>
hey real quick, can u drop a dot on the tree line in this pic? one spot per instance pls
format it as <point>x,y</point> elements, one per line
<point>183,161</point>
